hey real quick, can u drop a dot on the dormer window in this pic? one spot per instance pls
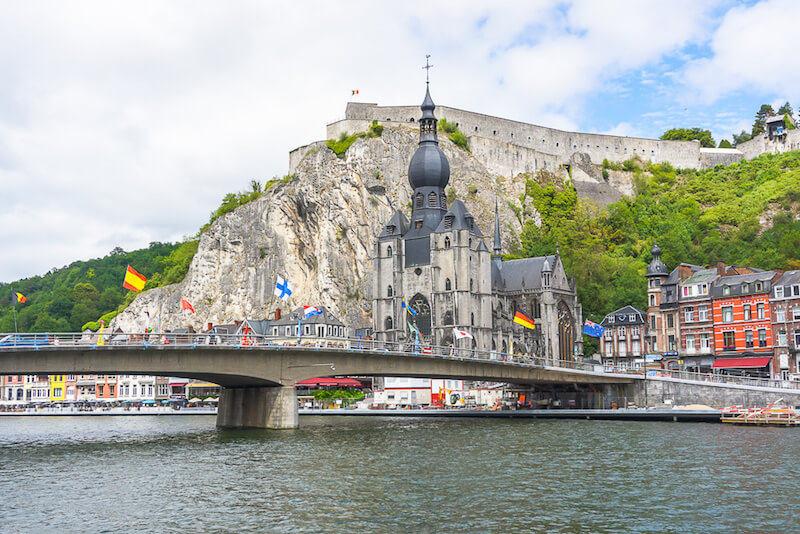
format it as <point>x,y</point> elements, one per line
<point>726,290</point>
<point>632,317</point>
<point>745,288</point>
<point>448,222</point>
<point>779,292</point>
<point>759,286</point>
<point>611,319</point>
<point>418,225</point>
<point>390,229</point>
<point>432,199</point>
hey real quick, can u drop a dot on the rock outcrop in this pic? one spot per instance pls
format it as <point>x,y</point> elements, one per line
<point>318,231</point>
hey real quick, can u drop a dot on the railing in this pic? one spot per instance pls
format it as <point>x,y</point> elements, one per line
<point>727,379</point>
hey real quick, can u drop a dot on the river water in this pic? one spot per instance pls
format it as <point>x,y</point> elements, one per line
<point>382,474</point>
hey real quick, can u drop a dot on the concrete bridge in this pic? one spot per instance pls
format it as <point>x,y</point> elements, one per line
<point>258,380</point>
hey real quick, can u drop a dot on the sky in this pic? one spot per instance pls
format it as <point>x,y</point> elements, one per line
<point>123,123</point>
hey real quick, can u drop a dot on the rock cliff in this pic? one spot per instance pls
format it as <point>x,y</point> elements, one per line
<point>318,231</point>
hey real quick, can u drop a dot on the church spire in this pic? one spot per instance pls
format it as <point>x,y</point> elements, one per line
<point>497,253</point>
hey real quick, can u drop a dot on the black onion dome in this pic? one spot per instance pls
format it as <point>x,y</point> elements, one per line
<point>429,166</point>
<point>656,267</point>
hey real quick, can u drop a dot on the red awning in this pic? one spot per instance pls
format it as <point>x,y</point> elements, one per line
<point>741,363</point>
<point>342,382</point>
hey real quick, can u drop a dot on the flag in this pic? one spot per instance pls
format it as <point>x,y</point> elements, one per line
<point>412,328</point>
<point>593,329</point>
<point>18,297</point>
<point>282,289</point>
<point>408,308</point>
<point>355,92</point>
<point>524,320</point>
<point>311,311</point>
<point>185,305</point>
<point>133,280</point>
<point>459,334</point>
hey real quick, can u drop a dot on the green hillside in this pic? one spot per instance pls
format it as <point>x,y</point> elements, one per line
<point>697,217</point>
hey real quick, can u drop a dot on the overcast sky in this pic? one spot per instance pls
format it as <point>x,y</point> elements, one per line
<point>123,123</point>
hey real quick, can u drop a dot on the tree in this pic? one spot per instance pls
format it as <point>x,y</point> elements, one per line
<point>689,134</point>
<point>725,144</point>
<point>786,109</point>
<point>759,126</point>
<point>741,138</point>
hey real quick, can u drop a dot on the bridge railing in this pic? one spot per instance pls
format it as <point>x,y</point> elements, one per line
<point>726,379</point>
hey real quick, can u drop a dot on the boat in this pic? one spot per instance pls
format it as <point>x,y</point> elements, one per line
<point>771,415</point>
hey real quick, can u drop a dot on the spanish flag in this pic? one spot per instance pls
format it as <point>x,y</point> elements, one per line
<point>133,280</point>
<point>19,297</point>
<point>524,320</point>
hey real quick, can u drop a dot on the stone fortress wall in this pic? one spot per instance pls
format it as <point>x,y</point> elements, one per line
<point>511,147</point>
<point>761,144</point>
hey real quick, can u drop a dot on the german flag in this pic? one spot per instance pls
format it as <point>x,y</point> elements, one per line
<point>133,280</point>
<point>524,320</point>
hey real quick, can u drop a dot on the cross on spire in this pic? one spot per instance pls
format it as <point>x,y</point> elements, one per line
<point>427,68</point>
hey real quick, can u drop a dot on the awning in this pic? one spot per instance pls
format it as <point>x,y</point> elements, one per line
<point>342,382</point>
<point>741,363</point>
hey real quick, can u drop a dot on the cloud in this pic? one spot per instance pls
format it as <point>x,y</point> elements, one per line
<point>125,123</point>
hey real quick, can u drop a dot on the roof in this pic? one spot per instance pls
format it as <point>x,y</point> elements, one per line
<point>735,283</point>
<point>458,218</point>
<point>396,226</point>
<point>789,278</point>
<point>622,317</point>
<point>675,276</point>
<point>291,318</point>
<point>259,327</point>
<point>517,275</point>
<point>703,275</point>
<point>776,118</point>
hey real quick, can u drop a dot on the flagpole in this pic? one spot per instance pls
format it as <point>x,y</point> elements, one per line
<point>15,314</point>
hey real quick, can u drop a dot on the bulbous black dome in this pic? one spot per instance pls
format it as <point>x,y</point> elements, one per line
<point>429,167</point>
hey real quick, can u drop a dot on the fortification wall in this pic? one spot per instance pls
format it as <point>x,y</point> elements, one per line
<point>709,157</point>
<point>761,144</point>
<point>556,143</point>
<point>509,160</point>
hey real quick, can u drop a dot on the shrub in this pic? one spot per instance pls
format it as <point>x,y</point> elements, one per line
<point>460,140</point>
<point>340,147</point>
<point>472,189</point>
<point>605,175</point>
<point>376,130</point>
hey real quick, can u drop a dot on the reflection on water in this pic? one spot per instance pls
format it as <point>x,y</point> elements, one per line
<point>386,474</point>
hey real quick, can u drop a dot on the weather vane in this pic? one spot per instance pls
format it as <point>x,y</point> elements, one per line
<point>427,68</point>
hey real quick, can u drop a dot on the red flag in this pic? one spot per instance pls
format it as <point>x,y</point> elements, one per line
<point>185,305</point>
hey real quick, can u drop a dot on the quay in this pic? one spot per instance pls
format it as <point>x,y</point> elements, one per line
<point>676,416</point>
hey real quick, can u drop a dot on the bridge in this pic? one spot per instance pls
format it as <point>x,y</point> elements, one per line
<point>258,375</point>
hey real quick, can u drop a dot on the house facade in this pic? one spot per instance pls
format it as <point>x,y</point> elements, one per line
<point>623,341</point>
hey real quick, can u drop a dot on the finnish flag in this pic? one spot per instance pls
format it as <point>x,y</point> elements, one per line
<point>282,289</point>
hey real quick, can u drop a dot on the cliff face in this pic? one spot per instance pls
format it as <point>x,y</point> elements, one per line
<point>318,231</point>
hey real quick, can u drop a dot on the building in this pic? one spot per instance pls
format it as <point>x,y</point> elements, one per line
<point>622,344</point>
<point>696,347</point>
<point>743,323</point>
<point>437,263</point>
<point>85,386</point>
<point>14,388</point>
<point>785,313</point>
<point>105,387</point>
<point>322,326</point>
<point>37,388</point>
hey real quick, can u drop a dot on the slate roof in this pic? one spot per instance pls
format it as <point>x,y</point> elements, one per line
<point>703,275</point>
<point>735,283</point>
<point>675,276</point>
<point>510,275</point>
<point>622,317</point>
<point>291,318</point>
<point>461,219</point>
<point>259,327</point>
<point>789,278</point>
<point>396,227</point>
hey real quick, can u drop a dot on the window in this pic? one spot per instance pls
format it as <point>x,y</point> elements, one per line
<point>611,319</point>
<point>689,312</point>
<point>653,322</point>
<point>448,286</point>
<point>705,344</point>
<point>636,348</point>
<point>388,323</point>
<point>745,288</point>
<point>702,313</point>
<point>760,310</point>
<point>670,320</point>
<point>727,314</point>
<point>746,310</point>
<point>417,225</point>
<point>111,389</point>
<point>447,242</point>
<point>704,289</point>
<point>795,290</point>
<point>288,331</point>
<point>671,342</point>
<point>389,251</point>
<point>687,291</point>
<point>275,331</point>
<point>389,291</point>
<point>471,285</point>
<point>726,290</point>
<point>621,332</point>
<point>635,331</point>
<point>419,200</point>
<point>607,334</point>
<point>622,349</point>
<point>728,341</point>
<point>759,286</point>
<point>780,315</point>
<point>306,330</point>
<point>779,292</point>
<point>797,339</point>
<point>762,337</point>
<point>748,339</point>
<point>472,319</point>
<point>432,197</point>
<point>632,317</point>
<point>448,318</point>
<point>796,313</point>
<point>690,347</point>
<point>652,300</point>
<point>782,338</point>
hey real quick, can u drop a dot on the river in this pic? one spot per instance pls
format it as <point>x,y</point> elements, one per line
<point>383,474</point>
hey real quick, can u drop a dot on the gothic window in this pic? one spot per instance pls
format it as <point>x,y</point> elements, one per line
<point>432,199</point>
<point>419,200</point>
<point>389,251</point>
<point>423,317</point>
<point>447,242</point>
<point>448,318</point>
<point>389,292</point>
<point>566,332</point>
<point>388,323</point>
<point>447,285</point>
<point>536,310</point>
<point>472,319</point>
<point>471,285</point>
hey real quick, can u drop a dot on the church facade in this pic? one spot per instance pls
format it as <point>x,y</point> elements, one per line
<point>437,263</point>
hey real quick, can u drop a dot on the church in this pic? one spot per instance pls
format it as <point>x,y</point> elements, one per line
<point>438,264</point>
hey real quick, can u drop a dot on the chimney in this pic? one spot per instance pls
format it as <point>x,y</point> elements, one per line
<point>210,326</point>
<point>721,268</point>
<point>237,324</point>
<point>277,314</point>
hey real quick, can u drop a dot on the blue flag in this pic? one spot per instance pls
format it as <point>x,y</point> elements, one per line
<point>593,329</point>
<point>408,308</point>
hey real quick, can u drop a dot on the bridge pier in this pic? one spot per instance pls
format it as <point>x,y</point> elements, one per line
<point>258,407</point>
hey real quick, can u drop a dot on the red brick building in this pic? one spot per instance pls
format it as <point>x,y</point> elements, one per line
<point>785,313</point>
